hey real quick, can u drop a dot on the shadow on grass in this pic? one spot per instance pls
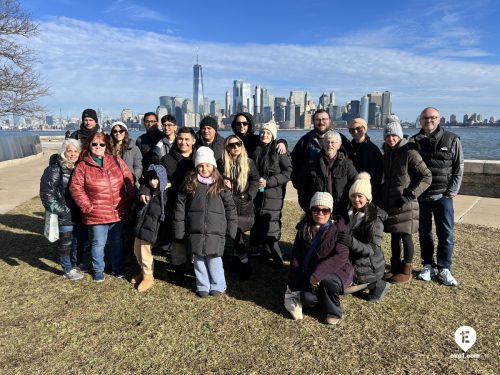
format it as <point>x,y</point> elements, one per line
<point>22,241</point>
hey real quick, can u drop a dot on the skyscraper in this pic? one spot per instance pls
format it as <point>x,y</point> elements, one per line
<point>386,105</point>
<point>242,97</point>
<point>198,94</point>
<point>363,109</point>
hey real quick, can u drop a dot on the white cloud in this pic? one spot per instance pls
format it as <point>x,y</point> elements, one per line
<point>90,64</point>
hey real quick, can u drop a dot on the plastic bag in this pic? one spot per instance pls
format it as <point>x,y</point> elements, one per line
<point>51,231</point>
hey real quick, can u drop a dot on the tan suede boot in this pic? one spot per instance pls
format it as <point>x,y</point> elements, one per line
<point>404,276</point>
<point>395,269</point>
<point>146,283</point>
<point>136,279</point>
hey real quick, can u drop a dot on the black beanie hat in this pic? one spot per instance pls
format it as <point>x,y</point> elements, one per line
<point>209,121</point>
<point>89,112</point>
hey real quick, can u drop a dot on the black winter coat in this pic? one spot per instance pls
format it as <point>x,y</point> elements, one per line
<point>244,199</point>
<point>366,251</point>
<point>205,220</point>
<point>367,157</point>
<point>147,145</point>
<point>147,222</point>
<point>329,257</point>
<point>269,204</point>
<point>343,175</point>
<point>217,145</point>
<point>54,185</point>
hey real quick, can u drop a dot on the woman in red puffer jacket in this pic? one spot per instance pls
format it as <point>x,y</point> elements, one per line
<point>103,188</point>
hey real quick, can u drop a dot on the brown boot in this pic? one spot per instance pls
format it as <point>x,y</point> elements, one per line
<point>136,279</point>
<point>404,276</point>
<point>395,269</point>
<point>146,283</point>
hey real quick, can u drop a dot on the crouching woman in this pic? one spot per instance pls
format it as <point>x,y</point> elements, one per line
<point>366,230</point>
<point>320,268</point>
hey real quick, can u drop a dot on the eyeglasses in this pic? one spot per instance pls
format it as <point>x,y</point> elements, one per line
<point>150,122</point>
<point>359,129</point>
<point>95,144</point>
<point>242,123</point>
<point>234,145</point>
<point>317,210</point>
<point>169,125</point>
<point>121,131</point>
<point>429,118</point>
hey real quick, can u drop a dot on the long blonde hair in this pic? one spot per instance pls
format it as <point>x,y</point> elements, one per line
<point>242,160</point>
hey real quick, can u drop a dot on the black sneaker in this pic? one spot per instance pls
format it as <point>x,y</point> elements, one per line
<point>202,294</point>
<point>216,293</point>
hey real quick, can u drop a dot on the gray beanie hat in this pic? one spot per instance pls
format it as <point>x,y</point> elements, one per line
<point>393,127</point>
<point>322,199</point>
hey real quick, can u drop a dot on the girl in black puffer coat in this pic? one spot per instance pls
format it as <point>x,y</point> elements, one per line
<point>56,198</point>
<point>275,171</point>
<point>204,213</point>
<point>242,179</point>
<point>366,230</point>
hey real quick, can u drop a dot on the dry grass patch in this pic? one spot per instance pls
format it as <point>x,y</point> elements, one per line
<point>51,325</point>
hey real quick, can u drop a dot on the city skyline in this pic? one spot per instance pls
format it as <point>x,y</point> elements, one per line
<point>426,53</point>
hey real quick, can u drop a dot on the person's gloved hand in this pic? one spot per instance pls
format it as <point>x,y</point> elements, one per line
<point>345,239</point>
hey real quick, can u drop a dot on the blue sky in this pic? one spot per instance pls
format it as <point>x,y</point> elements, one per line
<point>126,53</point>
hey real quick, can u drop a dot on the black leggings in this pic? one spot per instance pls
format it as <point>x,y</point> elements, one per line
<point>408,248</point>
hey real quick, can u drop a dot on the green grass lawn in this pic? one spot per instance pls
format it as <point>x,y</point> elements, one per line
<point>50,325</point>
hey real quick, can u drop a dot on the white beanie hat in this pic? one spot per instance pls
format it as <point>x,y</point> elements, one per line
<point>322,199</point>
<point>122,124</point>
<point>362,186</point>
<point>271,126</point>
<point>204,155</point>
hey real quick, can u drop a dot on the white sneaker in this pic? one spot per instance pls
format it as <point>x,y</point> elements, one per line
<point>73,275</point>
<point>427,273</point>
<point>447,278</point>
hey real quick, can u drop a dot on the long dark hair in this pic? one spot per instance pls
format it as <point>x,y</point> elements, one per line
<point>115,150</point>
<point>265,157</point>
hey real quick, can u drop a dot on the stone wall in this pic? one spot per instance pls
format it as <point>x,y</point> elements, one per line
<point>481,178</point>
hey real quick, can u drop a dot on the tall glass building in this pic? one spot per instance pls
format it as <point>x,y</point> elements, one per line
<point>198,95</point>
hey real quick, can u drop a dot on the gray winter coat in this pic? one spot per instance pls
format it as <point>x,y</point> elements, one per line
<point>133,158</point>
<point>204,221</point>
<point>405,174</point>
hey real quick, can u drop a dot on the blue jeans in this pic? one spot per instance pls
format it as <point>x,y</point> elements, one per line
<point>99,235</point>
<point>80,238</point>
<point>65,249</point>
<point>209,273</point>
<point>443,212</point>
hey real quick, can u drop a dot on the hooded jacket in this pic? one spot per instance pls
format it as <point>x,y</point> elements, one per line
<point>250,140</point>
<point>102,193</point>
<point>150,216</point>
<point>405,173</point>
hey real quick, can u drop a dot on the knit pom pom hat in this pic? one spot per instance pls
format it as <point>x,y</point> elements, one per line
<point>362,186</point>
<point>204,155</point>
<point>271,126</point>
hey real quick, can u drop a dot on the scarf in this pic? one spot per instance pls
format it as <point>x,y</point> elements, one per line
<point>205,180</point>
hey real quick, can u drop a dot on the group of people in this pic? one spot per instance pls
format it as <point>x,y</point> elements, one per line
<point>186,191</point>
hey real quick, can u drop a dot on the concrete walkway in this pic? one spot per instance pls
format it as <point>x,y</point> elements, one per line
<point>20,181</point>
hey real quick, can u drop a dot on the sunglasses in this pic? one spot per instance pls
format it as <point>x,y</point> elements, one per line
<point>94,144</point>
<point>242,123</point>
<point>359,129</point>
<point>121,131</point>
<point>317,210</point>
<point>234,145</point>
